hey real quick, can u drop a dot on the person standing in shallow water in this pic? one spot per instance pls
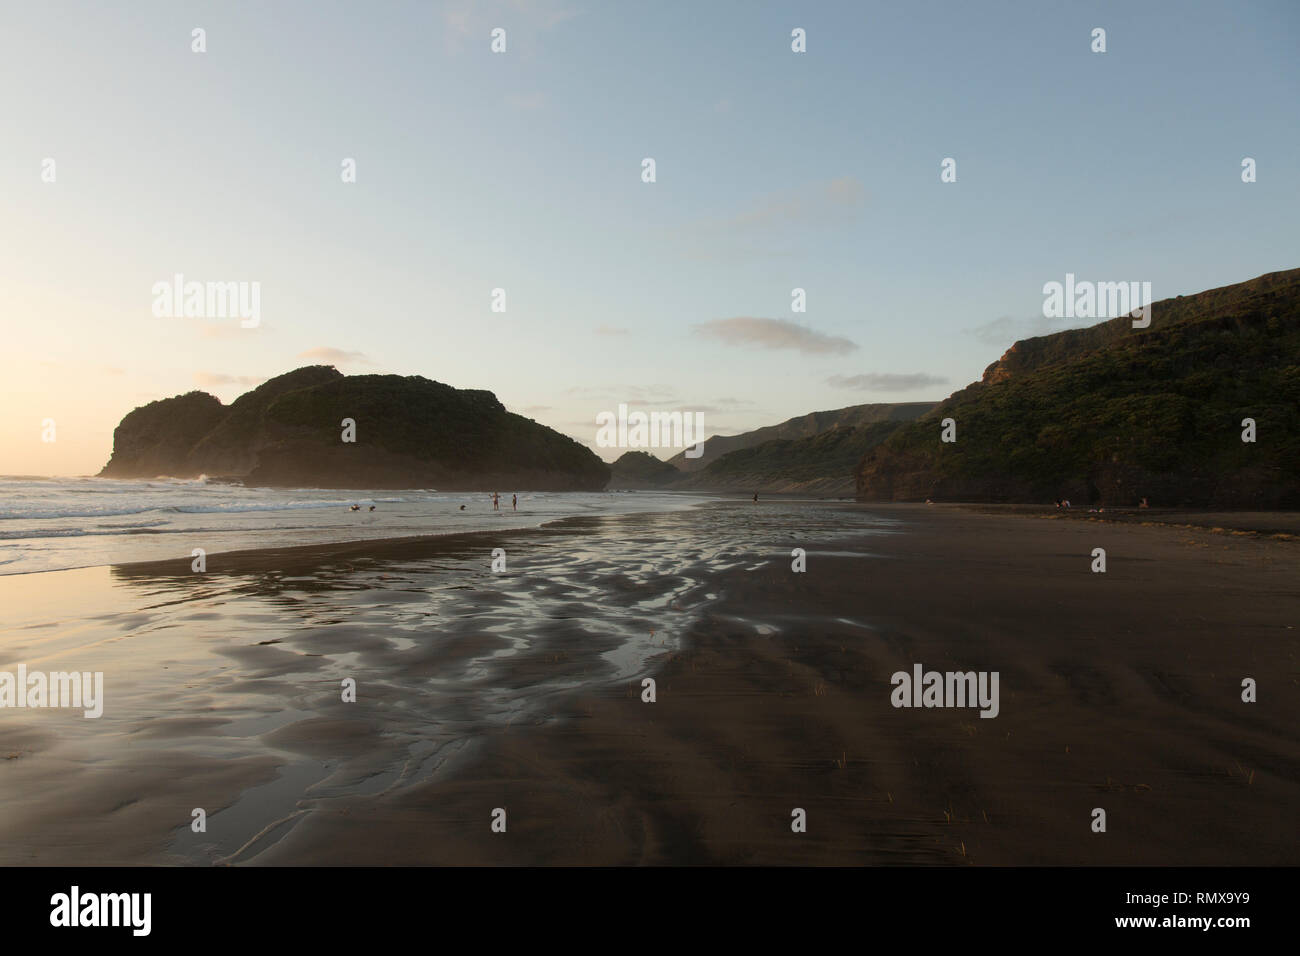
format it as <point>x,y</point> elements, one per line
<point>514,502</point>
<point>756,497</point>
<point>496,504</point>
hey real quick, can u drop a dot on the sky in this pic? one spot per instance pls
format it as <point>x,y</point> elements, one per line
<point>523,170</point>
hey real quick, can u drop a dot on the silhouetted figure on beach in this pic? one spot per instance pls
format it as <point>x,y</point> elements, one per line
<point>756,497</point>
<point>355,508</point>
<point>1143,503</point>
<point>372,507</point>
<point>496,502</point>
<point>514,502</point>
<point>462,507</point>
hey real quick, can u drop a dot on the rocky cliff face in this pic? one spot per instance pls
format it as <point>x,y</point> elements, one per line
<point>1111,414</point>
<point>409,432</point>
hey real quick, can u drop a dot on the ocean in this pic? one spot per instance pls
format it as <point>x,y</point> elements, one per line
<point>50,524</point>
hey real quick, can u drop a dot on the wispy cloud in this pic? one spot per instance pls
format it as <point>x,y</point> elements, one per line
<point>469,20</point>
<point>691,408</point>
<point>636,399</point>
<point>546,13</point>
<point>645,394</point>
<point>335,356</point>
<point>774,334</point>
<point>211,379</point>
<point>886,381</point>
<point>530,101</point>
<point>222,330</point>
<point>822,202</point>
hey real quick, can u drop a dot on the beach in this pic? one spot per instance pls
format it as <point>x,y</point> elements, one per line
<point>522,690</point>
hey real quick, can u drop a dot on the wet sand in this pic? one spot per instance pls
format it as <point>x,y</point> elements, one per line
<point>1118,690</point>
<point>223,687</point>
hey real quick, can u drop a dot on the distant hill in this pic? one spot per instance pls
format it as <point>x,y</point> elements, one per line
<point>410,432</point>
<point>822,464</point>
<point>1110,414</point>
<point>640,469</point>
<point>802,426</point>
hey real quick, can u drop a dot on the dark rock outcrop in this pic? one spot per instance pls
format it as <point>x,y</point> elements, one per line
<point>641,470</point>
<point>409,432</point>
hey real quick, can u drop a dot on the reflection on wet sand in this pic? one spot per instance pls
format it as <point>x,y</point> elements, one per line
<point>224,689</point>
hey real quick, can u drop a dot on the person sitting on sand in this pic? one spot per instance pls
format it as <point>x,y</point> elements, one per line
<point>372,507</point>
<point>462,507</point>
<point>355,508</point>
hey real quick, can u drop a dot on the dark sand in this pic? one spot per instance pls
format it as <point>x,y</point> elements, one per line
<point>1118,690</point>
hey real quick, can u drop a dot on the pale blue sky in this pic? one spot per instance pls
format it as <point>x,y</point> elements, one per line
<point>522,170</point>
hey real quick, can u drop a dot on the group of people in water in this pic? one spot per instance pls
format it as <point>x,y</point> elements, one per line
<point>496,503</point>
